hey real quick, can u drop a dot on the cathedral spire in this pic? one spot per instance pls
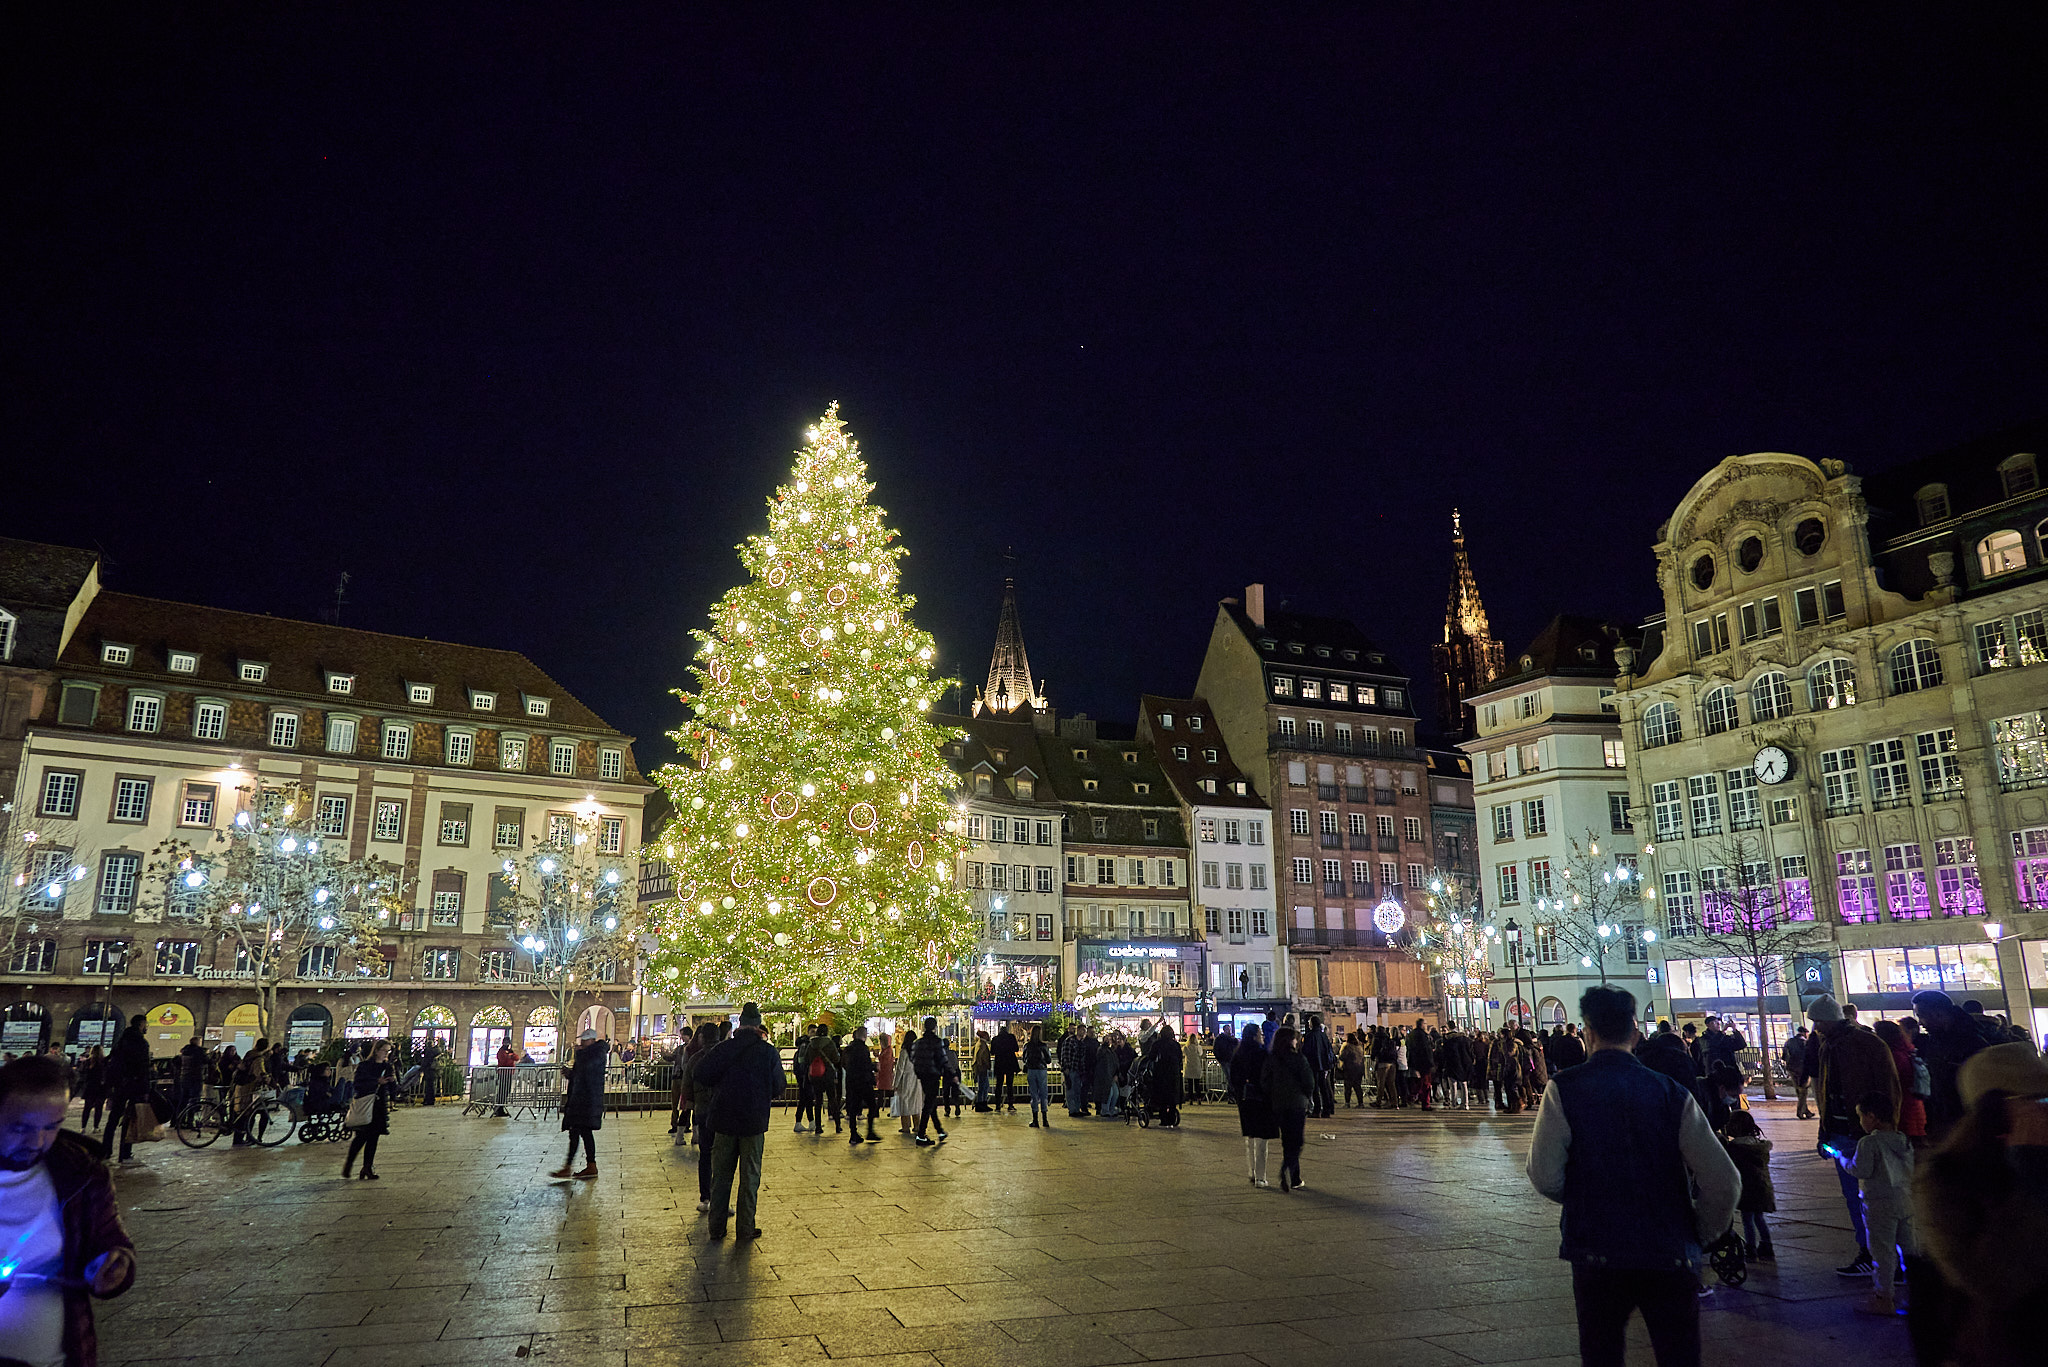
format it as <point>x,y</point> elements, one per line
<point>1469,657</point>
<point>1009,669</point>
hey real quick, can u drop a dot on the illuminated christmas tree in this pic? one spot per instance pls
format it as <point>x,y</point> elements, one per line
<point>813,844</point>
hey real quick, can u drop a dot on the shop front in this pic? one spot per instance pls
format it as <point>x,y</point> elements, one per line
<point>170,1027</point>
<point>1016,987</point>
<point>24,1028</point>
<point>490,1028</point>
<point>1134,979</point>
<point>308,1027</point>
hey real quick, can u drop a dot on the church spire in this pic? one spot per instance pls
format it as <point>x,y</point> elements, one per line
<point>1009,669</point>
<point>1469,657</point>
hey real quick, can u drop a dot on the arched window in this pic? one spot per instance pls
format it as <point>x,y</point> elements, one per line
<point>1831,683</point>
<point>1915,665</point>
<point>1932,504</point>
<point>1750,554</point>
<point>2001,553</point>
<point>1770,697</point>
<point>2017,474</point>
<point>1717,711</point>
<point>1660,726</point>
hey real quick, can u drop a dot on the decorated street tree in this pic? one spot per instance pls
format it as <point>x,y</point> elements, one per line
<point>287,899</point>
<point>42,864</point>
<point>1454,941</point>
<point>568,905</point>
<point>1597,908</point>
<point>813,844</point>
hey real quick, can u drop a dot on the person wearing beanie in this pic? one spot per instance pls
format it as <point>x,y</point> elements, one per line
<point>1854,1063</point>
<point>583,1103</point>
<point>745,1077</point>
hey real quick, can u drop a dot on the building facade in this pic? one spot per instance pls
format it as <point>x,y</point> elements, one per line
<point>1324,724</point>
<point>1844,704</point>
<point>166,720</point>
<point>1551,787</point>
<point>1245,974</point>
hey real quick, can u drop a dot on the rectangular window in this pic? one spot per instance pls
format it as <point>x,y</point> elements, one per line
<point>2021,745</point>
<point>1784,810</point>
<point>454,823</point>
<point>1233,832</point>
<point>440,965</point>
<point>2030,866</point>
<point>611,836</point>
<point>1532,758</point>
<point>999,877</point>
<point>1841,784</point>
<point>1831,606</point>
<point>611,765</point>
<point>319,961</point>
<point>1212,874</point>
<point>1905,883</point>
<point>1327,820</point>
<point>1856,885</point>
<point>1503,822</point>
<point>209,721</point>
<point>1384,826</point>
<point>1098,825</point>
<point>976,827</point>
<point>562,758</point>
<point>1255,832</point>
<point>1041,832</point>
<point>1297,820</point>
<point>510,828</point>
<point>1667,803</point>
<point>389,820</point>
<point>1315,731</point>
<point>1361,875</point>
<point>331,814</point>
<point>196,808</point>
<point>1073,868</point>
<point>60,792</point>
<point>1283,687</point>
<point>1045,878</point>
<point>118,875</point>
<point>1304,873</point>
<point>1412,827</point>
<point>461,747</point>
<point>1956,883</point>
<point>1020,832</point>
<point>1704,794</point>
<point>1618,818</point>
<point>2030,636</point>
<point>1510,883</point>
<point>1989,638</point>
<point>1105,872</point>
<point>561,829</point>
<point>131,799</point>
<point>177,958</point>
<point>1614,754</point>
<point>1796,887</point>
<point>1258,877</point>
<point>1546,944</point>
<point>1941,773</point>
<point>975,869</point>
<point>106,956</point>
<point>1137,874</point>
<point>145,711</point>
<point>1806,607</point>
<point>1888,783</point>
<point>397,742</point>
<point>1234,877</point>
<point>512,754</point>
<point>1745,808</point>
<point>1539,879</point>
<point>1343,733</point>
<point>1681,911</point>
<point>284,730</point>
<point>1205,829</point>
<point>341,735</point>
<point>998,830</point>
<point>1333,874</point>
<point>1311,688</point>
<point>1535,820</point>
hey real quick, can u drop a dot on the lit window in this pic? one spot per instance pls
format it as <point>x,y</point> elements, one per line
<point>252,672</point>
<point>397,741</point>
<point>389,821</point>
<point>184,662</point>
<point>341,683</point>
<point>422,694</point>
<point>341,735</point>
<point>284,730</point>
<point>1614,754</point>
<point>116,655</point>
<point>611,766</point>
<point>562,758</point>
<point>461,747</point>
<point>2001,553</point>
<point>145,711</point>
<point>1831,683</point>
<point>512,753</point>
<point>483,702</point>
<point>536,707</point>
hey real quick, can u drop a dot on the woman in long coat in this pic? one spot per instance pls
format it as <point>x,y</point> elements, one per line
<point>909,1091</point>
<point>583,1103</point>
<point>1102,1082</point>
<point>1254,1112</point>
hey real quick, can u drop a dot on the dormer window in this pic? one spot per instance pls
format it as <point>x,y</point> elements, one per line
<point>480,701</point>
<point>1209,757</point>
<point>1180,752</point>
<point>1267,643</point>
<point>1194,723</point>
<point>1080,754</point>
<point>535,707</point>
<point>340,683</point>
<point>1141,789</point>
<point>1311,688</point>
<point>111,654</point>
<point>1931,503</point>
<point>2017,475</point>
<point>184,662</point>
<point>1322,652</point>
<point>1340,692</point>
<point>1237,786</point>
<point>1295,647</point>
<point>1023,786</point>
<point>252,671</point>
<point>1207,785</point>
<point>1588,653</point>
<point>1166,721</point>
<point>1130,756</point>
<point>1283,686</point>
<point>1089,785</point>
<point>419,694</point>
<point>1349,654</point>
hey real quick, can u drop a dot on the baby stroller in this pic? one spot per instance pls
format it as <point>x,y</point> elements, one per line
<point>1138,1091</point>
<point>318,1109</point>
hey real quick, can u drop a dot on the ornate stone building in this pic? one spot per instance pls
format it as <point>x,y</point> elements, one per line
<point>1840,713</point>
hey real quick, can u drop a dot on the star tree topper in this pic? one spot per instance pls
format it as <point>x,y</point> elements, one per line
<point>813,846</point>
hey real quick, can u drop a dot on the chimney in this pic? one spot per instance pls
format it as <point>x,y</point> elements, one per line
<point>1255,603</point>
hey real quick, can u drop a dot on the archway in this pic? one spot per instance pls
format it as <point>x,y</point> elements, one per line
<point>367,1022</point>
<point>436,1023</point>
<point>308,1028</point>
<point>170,1027</point>
<point>540,1035</point>
<point>93,1023</point>
<point>242,1027</point>
<point>1518,1012</point>
<point>25,1028</point>
<point>1549,1012</point>
<point>490,1028</point>
<point>598,1018</point>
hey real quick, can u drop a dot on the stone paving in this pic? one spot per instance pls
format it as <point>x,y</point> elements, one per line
<point>1417,1242</point>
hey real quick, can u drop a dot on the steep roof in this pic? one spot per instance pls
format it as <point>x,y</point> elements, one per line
<point>1569,646</point>
<point>36,575</point>
<point>300,655</point>
<point>1186,775</point>
<point>1969,470</point>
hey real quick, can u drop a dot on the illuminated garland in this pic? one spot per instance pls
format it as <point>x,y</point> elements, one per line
<point>812,847</point>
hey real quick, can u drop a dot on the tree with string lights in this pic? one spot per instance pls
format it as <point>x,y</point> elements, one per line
<point>1599,909</point>
<point>1455,940</point>
<point>813,845</point>
<point>569,907</point>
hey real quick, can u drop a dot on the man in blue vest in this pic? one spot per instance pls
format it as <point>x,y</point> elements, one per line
<point>1615,1142</point>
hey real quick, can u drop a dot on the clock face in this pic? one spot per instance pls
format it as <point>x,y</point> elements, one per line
<point>1773,765</point>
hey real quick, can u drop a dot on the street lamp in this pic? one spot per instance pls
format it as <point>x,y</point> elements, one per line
<point>1514,939</point>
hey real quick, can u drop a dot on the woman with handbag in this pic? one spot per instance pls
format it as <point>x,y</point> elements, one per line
<point>369,1114</point>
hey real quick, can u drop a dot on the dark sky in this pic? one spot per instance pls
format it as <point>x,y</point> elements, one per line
<point>515,314</point>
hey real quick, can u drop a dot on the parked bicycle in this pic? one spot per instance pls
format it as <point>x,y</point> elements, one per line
<point>267,1121</point>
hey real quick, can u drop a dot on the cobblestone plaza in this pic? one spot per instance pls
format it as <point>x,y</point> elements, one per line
<point>1417,1242</point>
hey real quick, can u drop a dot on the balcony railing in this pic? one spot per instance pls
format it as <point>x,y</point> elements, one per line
<point>1281,740</point>
<point>1332,841</point>
<point>1361,842</point>
<point>1891,801</point>
<point>1385,797</point>
<point>1390,844</point>
<point>1337,937</point>
<point>1333,889</point>
<point>1357,795</point>
<point>2014,783</point>
<point>1947,792</point>
<point>1326,792</point>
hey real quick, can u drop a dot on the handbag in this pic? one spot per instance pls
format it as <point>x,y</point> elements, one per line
<point>362,1112</point>
<point>143,1126</point>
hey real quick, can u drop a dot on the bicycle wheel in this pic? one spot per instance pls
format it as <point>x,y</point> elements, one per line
<point>270,1124</point>
<point>199,1124</point>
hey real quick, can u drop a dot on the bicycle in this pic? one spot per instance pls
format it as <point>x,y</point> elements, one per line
<point>267,1121</point>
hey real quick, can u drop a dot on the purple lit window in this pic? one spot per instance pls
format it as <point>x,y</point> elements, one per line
<point>2030,866</point>
<point>1798,899</point>
<point>1955,877</point>
<point>1856,886</point>
<point>1905,883</point>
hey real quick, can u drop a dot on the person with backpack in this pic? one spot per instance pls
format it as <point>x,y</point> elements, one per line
<point>1793,1056</point>
<point>817,1060</point>
<point>932,1063</point>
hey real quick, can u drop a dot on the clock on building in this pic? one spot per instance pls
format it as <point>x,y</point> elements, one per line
<point>1773,764</point>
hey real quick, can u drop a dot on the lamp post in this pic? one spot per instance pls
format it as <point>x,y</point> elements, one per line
<point>1514,939</point>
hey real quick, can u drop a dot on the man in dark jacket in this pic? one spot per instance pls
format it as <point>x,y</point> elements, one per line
<point>933,1062</point>
<point>1322,1061</point>
<point>1793,1055</point>
<point>1003,1053</point>
<point>191,1074</point>
<point>127,1083</point>
<point>1422,1065</point>
<point>1616,1145</point>
<point>59,1221</point>
<point>745,1077</point>
<point>1720,1045</point>
<point>860,1085</point>
<point>1854,1063</point>
<point>1948,1037</point>
<point>1571,1050</point>
<point>1073,1057</point>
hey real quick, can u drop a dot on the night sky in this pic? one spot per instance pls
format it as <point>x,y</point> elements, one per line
<point>515,314</point>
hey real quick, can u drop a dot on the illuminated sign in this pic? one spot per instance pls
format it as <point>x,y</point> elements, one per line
<point>1142,952</point>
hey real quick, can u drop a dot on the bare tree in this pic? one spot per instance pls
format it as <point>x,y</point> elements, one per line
<point>1742,921</point>
<point>1596,907</point>
<point>568,904</point>
<point>1454,942</point>
<point>282,892</point>
<point>43,865</point>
